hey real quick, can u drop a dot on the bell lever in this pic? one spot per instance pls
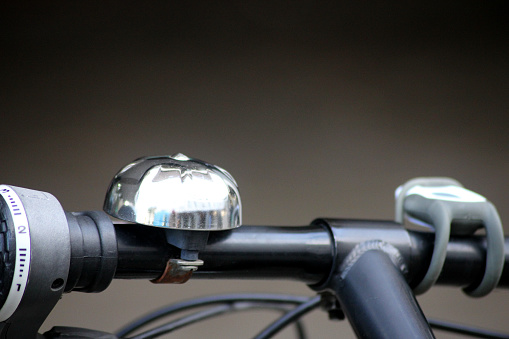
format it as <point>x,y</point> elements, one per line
<point>187,197</point>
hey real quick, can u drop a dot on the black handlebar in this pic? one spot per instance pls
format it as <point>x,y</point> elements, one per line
<point>302,253</point>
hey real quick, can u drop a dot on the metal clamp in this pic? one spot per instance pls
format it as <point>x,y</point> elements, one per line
<point>177,271</point>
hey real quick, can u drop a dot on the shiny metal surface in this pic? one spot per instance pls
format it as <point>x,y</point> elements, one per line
<point>175,192</point>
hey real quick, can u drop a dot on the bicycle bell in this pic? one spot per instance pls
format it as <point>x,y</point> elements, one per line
<point>178,193</point>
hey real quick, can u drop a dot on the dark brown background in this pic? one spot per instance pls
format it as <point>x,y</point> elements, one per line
<point>317,109</point>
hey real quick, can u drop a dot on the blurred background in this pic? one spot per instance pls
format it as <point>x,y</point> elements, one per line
<point>316,108</point>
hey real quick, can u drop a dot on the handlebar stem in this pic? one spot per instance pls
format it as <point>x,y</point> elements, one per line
<point>376,298</point>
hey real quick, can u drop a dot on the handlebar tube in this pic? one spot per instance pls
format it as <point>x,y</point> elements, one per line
<point>301,253</point>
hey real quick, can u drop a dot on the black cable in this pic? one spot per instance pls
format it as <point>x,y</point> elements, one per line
<point>212,312</point>
<point>211,300</point>
<point>301,331</point>
<point>466,330</point>
<point>289,317</point>
<point>264,300</point>
<point>195,317</point>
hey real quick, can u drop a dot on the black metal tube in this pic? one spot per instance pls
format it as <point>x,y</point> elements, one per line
<point>258,252</point>
<point>300,253</point>
<point>373,294</point>
<point>142,251</point>
<point>250,252</point>
<point>465,261</point>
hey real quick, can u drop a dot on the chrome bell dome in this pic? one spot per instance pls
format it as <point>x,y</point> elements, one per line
<point>175,192</point>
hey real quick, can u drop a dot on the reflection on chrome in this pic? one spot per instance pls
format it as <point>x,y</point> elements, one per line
<point>175,192</point>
